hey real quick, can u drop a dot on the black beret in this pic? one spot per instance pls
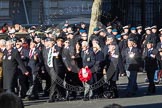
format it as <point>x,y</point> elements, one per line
<point>150,42</point>
<point>131,39</point>
<point>18,40</point>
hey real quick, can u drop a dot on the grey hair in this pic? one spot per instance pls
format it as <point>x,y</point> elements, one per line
<point>10,41</point>
<point>85,43</point>
<point>2,42</point>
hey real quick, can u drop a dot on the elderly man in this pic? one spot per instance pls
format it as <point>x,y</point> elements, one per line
<point>33,67</point>
<point>131,56</point>
<point>11,59</point>
<point>49,59</point>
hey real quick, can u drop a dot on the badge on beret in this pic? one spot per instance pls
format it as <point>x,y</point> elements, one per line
<point>4,57</point>
<point>9,57</point>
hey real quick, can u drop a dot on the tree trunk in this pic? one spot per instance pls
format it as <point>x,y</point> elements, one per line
<point>95,15</point>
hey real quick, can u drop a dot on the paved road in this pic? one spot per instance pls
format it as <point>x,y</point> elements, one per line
<point>139,101</point>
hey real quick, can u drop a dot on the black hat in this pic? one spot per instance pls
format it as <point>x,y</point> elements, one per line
<point>49,39</point>
<point>82,23</point>
<point>66,40</point>
<point>43,37</point>
<point>14,39</point>
<point>150,42</point>
<point>18,40</point>
<point>71,33</point>
<point>131,39</point>
<point>37,36</point>
<point>110,37</point>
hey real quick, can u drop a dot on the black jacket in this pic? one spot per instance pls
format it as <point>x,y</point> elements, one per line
<point>132,63</point>
<point>11,60</point>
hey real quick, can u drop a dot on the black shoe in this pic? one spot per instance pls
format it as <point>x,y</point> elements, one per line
<point>130,94</point>
<point>85,99</point>
<point>62,99</point>
<point>45,94</point>
<point>26,98</point>
<point>50,100</point>
<point>149,93</point>
<point>34,97</point>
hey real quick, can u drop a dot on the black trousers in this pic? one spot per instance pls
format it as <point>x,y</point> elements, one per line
<point>33,85</point>
<point>22,85</point>
<point>46,76</point>
<point>72,79</point>
<point>61,70</point>
<point>96,77</point>
<point>150,76</point>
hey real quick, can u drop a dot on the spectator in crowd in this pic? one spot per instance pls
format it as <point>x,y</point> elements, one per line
<point>10,100</point>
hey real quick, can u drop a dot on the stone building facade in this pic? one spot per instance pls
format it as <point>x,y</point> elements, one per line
<point>43,11</point>
<point>145,12</point>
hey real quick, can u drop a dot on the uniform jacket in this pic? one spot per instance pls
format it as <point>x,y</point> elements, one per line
<point>88,59</point>
<point>67,53</point>
<point>34,63</point>
<point>150,62</point>
<point>131,63</point>
<point>111,65</point>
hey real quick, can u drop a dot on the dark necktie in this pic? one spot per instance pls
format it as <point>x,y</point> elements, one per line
<point>149,53</point>
<point>84,55</point>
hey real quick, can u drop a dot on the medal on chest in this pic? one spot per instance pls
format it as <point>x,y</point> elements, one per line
<point>9,57</point>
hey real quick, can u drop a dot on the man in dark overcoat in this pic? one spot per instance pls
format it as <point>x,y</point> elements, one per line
<point>11,59</point>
